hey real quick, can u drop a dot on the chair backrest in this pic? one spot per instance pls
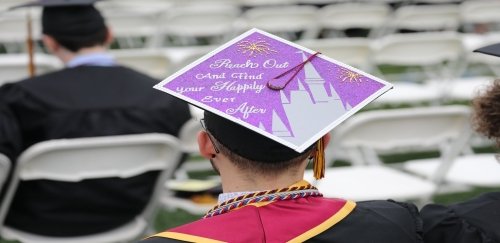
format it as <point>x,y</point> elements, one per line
<point>411,129</point>
<point>188,136</point>
<point>437,54</point>
<point>134,28</point>
<point>73,160</point>
<point>200,20</point>
<point>352,51</point>
<point>354,15</point>
<point>475,58</point>
<point>4,169</point>
<point>426,18</point>
<point>283,20</point>
<point>480,12</point>
<point>13,26</point>
<point>151,61</point>
<point>14,67</point>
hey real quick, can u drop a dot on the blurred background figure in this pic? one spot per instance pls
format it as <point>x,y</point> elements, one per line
<point>477,219</point>
<point>92,96</point>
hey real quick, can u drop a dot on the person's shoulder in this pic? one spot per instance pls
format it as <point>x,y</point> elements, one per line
<point>473,220</point>
<point>380,221</point>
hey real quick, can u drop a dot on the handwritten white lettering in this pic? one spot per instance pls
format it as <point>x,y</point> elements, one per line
<point>210,99</point>
<point>246,110</point>
<point>210,76</point>
<point>246,76</point>
<point>238,88</point>
<point>226,63</point>
<point>182,90</point>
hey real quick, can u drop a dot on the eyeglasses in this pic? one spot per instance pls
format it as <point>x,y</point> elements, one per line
<point>202,122</point>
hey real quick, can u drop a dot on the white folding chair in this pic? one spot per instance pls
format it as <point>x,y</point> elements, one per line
<point>134,28</point>
<point>185,55</point>
<point>150,61</point>
<point>290,22</point>
<point>14,67</point>
<point>369,134</point>
<point>4,169</point>
<point>487,65</point>
<point>352,51</point>
<point>480,15</point>
<point>13,25</point>
<point>433,55</point>
<point>186,24</point>
<point>73,160</point>
<point>336,18</point>
<point>425,18</point>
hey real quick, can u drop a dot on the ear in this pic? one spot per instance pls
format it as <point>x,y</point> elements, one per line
<point>326,139</point>
<point>109,36</point>
<point>50,43</point>
<point>205,145</point>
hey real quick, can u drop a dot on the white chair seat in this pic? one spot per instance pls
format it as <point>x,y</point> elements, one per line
<point>370,182</point>
<point>122,234</point>
<point>474,170</point>
<point>408,93</point>
<point>467,88</point>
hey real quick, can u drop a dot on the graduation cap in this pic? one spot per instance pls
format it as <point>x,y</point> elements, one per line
<point>493,50</point>
<point>268,99</point>
<point>64,20</point>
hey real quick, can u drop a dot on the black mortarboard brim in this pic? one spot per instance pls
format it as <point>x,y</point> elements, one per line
<point>270,100</point>
<point>493,50</point>
<point>247,143</point>
<point>56,3</point>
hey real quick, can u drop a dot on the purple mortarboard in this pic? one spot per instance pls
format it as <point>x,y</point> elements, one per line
<point>493,50</point>
<point>268,99</point>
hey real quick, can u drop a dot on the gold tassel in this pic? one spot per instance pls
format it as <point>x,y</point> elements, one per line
<point>319,160</point>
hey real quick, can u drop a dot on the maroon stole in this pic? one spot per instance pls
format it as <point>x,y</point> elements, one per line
<point>295,220</point>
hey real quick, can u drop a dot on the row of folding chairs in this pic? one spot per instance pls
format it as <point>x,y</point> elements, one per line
<point>139,25</point>
<point>424,67</point>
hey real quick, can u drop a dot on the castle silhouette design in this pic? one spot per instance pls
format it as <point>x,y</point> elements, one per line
<point>308,112</point>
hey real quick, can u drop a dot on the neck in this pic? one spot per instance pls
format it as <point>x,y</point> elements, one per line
<point>66,55</point>
<point>236,180</point>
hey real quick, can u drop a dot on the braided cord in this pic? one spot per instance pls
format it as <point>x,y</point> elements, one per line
<point>264,196</point>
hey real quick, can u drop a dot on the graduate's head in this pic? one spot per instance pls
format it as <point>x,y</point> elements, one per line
<point>486,115</point>
<point>270,104</point>
<point>75,27</point>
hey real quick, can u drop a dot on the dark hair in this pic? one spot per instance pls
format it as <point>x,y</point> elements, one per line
<point>486,116</point>
<point>75,43</point>
<point>259,167</point>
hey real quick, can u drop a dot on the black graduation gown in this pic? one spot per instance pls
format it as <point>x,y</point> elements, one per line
<point>369,222</point>
<point>473,221</point>
<point>83,101</point>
